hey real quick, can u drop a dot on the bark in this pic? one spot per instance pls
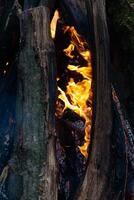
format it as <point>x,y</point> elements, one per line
<point>34,157</point>
<point>97,181</point>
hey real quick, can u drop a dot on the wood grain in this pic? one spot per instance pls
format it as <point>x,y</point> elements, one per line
<point>35,106</point>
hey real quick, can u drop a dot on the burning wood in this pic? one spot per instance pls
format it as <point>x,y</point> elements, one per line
<point>73,106</point>
<point>34,147</point>
<point>77,95</point>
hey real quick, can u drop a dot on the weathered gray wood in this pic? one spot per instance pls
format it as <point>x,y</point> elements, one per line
<point>35,107</point>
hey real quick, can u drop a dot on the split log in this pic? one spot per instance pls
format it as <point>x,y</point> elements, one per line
<point>101,162</point>
<point>99,178</point>
<point>35,146</point>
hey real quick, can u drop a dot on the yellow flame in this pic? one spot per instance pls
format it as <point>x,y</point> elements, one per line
<point>69,50</point>
<point>78,96</point>
<point>85,71</point>
<point>54,23</point>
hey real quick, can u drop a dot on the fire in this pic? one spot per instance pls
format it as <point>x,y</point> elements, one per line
<point>78,96</point>
<point>69,50</point>
<point>54,24</point>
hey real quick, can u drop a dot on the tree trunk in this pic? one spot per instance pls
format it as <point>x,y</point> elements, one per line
<point>97,181</point>
<point>99,175</point>
<point>33,164</point>
<point>35,108</point>
<point>34,3</point>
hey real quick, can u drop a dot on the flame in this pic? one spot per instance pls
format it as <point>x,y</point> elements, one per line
<point>54,23</point>
<point>68,51</point>
<point>78,96</point>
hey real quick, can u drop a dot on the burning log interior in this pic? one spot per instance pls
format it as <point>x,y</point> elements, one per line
<point>74,102</point>
<point>65,131</point>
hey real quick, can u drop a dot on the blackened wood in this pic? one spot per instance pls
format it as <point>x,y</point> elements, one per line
<point>31,4</point>
<point>9,32</point>
<point>9,36</point>
<point>7,114</point>
<point>35,149</point>
<point>75,13</point>
<point>5,9</point>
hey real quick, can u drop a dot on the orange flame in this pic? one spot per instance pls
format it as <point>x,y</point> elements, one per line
<point>69,50</point>
<point>78,96</point>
